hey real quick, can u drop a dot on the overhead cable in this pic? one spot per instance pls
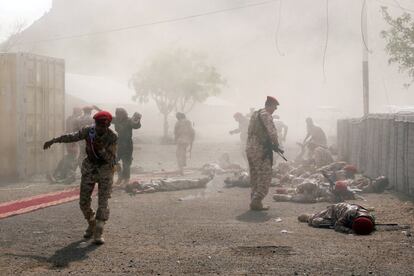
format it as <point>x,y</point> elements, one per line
<point>164,21</point>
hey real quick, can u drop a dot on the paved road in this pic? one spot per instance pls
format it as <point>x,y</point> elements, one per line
<point>202,232</point>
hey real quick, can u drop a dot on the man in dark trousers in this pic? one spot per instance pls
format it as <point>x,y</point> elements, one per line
<point>124,126</point>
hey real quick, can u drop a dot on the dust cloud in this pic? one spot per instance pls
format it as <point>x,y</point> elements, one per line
<point>275,48</point>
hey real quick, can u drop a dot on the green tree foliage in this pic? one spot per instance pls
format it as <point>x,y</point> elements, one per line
<point>400,41</point>
<point>176,80</point>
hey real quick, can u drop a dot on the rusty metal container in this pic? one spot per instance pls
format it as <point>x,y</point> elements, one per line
<point>32,110</point>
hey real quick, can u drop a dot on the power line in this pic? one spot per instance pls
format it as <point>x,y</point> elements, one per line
<point>164,21</point>
<point>279,18</point>
<point>326,41</point>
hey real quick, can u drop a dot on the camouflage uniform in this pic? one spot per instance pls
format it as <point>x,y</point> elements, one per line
<point>124,129</point>
<point>97,167</point>
<point>339,216</point>
<point>262,138</point>
<point>184,136</point>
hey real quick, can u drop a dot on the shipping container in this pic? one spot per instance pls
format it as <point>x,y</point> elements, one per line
<point>32,110</point>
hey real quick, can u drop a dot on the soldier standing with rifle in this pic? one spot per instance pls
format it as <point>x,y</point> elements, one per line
<point>97,167</point>
<point>262,140</point>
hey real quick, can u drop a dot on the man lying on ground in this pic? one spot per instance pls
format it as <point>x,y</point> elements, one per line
<point>343,217</point>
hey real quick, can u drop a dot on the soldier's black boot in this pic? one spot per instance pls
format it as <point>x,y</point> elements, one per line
<point>98,235</point>
<point>91,228</point>
<point>256,205</point>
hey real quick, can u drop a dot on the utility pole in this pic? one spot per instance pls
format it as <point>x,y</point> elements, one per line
<point>365,63</point>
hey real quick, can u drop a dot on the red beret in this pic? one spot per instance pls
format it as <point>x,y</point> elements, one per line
<point>272,100</point>
<point>341,186</point>
<point>362,225</point>
<point>350,168</point>
<point>103,116</point>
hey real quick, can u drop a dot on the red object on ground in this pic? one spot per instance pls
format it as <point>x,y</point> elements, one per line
<point>282,191</point>
<point>33,203</point>
<point>350,168</point>
<point>341,185</point>
<point>362,225</point>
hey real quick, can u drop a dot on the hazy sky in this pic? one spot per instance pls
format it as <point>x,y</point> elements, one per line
<point>20,10</point>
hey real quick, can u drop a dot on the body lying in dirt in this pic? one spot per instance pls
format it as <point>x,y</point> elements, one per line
<point>162,185</point>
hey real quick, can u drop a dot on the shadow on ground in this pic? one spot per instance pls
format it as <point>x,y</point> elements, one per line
<point>254,217</point>
<point>63,257</point>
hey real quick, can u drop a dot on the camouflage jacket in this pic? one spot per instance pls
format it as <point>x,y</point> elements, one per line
<point>341,215</point>
<point>262,130</point>
<point>99,149</point>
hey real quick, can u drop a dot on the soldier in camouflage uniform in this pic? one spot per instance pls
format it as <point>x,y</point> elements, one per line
<point>184,137</point>
<point>124,126</point>
<point>343,217</point>
<point>97,167</point>
<point>242,129</point>
<point>261,141</point>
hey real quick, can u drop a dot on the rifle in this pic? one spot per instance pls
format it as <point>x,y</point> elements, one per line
<point>268,144</point>
<point>280,152</point>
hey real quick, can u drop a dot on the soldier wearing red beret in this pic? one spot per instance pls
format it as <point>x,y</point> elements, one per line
<point>343,217</point>
<point>262,140</point>
<point>97,167</point>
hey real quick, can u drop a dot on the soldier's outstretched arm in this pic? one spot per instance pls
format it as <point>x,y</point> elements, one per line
<point>67,138</point>
<point>270,127</point>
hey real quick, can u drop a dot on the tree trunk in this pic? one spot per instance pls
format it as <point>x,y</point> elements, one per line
<point>166,126</point>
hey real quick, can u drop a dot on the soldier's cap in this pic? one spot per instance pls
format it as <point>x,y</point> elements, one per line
<point>103,116</point>
<point>363,225</point>
<point>271,101</point>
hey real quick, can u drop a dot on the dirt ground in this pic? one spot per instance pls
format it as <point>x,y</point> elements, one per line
<point>206,231</point>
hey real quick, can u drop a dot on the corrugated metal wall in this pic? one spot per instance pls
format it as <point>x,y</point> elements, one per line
<point>34,87</point>
<point>380,144</point>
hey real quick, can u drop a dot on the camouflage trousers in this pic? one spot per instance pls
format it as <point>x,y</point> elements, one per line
<point>181,154</point>
<point>260,167</point>
<point>95,174</point>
